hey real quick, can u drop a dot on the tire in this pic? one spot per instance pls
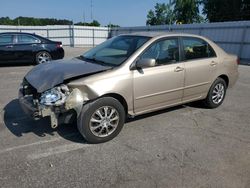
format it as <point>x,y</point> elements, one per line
<point>216,94</point>
<point>42,57</point>
<point>98,126</point>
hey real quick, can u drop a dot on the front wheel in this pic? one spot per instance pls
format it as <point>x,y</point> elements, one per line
<point>216,94</point>
<point>101,120</point>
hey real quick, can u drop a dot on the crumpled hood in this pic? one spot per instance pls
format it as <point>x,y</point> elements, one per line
<point>47,75</point>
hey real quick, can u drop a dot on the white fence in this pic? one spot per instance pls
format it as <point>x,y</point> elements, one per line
<point>69,35</point>
<point>233,37</point>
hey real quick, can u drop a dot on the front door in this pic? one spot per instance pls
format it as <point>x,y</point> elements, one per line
<point>6,48</point>
<point>162,85</point>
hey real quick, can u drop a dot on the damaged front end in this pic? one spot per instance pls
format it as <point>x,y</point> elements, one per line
<point>61,103</point>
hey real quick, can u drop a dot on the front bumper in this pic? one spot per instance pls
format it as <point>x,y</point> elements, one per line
<point>39,111</point>
<point>58,114</point>
<point>26,103</point>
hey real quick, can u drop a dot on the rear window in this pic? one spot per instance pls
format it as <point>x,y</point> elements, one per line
<point>6,39</point>
<point>195,48</point>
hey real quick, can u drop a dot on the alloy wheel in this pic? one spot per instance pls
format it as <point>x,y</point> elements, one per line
<point>218,93</point>
<point>43,57</point>
<point>104,121</point>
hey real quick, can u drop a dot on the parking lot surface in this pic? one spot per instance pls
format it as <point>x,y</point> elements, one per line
<point>184,146</point>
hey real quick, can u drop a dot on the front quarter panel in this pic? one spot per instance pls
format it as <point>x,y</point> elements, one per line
<point>109,82</point>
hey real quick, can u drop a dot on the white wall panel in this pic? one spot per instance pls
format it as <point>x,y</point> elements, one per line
<point>233,37</point>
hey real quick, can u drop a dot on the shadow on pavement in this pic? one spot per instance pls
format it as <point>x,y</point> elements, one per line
<point>15,64</point>
<point>20,124</point>
<point>195,104</point>
<point>147,115</point>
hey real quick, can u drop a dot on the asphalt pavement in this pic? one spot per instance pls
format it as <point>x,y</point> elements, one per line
<point>185,146</point>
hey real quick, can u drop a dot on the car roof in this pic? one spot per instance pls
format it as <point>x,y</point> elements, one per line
<point>15,33</point>
<point>32,34</point>
<point>153,34</point>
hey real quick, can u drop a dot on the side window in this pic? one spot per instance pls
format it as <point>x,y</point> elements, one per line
<point>6,39</point>
<point>164,51</point>
<point>26,39</point>
<point>195,48</point>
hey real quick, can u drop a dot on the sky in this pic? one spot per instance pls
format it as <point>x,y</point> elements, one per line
<point>120,12</point>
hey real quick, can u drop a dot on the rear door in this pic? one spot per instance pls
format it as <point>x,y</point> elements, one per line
<point>25,47</point>
<point>6,48</point>
<point>200,65</point>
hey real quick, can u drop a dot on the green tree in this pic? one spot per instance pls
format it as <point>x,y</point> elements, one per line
<point>187,11</point>
<point>94,23</point>
<point>33,21</point>
<point>110,25</point>
<point>245,10</point>
<point>226,10</point>
<point>162,14</point>
<point>6,21</point>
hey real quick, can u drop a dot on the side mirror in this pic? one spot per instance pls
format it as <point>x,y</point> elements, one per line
<point>143,63</point>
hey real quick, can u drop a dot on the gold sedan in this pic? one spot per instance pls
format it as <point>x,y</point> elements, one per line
<point>125,76</point>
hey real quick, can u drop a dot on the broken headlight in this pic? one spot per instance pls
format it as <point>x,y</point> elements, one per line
<point>55,96</point>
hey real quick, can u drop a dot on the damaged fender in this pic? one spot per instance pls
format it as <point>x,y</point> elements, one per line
<point>75,101</point>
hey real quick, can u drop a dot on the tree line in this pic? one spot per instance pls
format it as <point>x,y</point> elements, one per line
<point>33,21</point>
<point>198,11</point>
<point>30,21</point>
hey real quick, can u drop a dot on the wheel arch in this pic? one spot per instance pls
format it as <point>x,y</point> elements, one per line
<point>120,98</point>
<point>225,78</point>
<point>42,50</point>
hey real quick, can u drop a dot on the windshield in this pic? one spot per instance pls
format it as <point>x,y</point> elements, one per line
<point>116,50</point>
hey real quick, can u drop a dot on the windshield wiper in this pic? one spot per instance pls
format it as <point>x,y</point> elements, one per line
<point>97,61</point>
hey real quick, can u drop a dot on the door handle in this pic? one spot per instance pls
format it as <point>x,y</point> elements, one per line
<point>178,69</point>
<point>10,46</point>
<point>33,44</point>
<point>213,63</point>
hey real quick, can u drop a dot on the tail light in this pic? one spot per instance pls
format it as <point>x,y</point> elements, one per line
<point>59,45</point>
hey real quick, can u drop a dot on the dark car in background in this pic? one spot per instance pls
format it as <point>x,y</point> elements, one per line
<point>28,48</point>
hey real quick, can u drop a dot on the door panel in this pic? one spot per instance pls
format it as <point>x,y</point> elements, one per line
<point>6,48</point>
<point>198,78</point>
<point>161,85</point>
<point>200,67</point>
<point>157,87</point>
<point>23,52</point>
<point>25,47</point>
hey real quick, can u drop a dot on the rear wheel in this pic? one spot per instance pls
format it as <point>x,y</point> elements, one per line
<point>216,94</point>
<point>101,120</point>
<point>43,57</point>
